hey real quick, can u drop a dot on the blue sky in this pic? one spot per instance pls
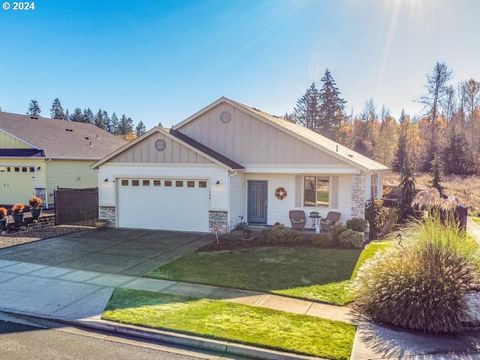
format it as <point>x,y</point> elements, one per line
<point>164,60</point>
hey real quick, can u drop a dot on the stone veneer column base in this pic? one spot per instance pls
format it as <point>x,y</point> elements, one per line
<point>358,196</point>
<point>107,213</point>
<point>219,219</point>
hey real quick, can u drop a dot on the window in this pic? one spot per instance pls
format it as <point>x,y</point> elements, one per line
<point>3,169</point>
<point>146,182</point>
<point>179,183</point>
<point>124,182</point>
<point>135,182</point>
<point>31,169</point>
<point>24,169</point>
<point>17,169</point>
<point>168,182</point>
<point>190,183</point>
<point>202,184</point>
<point>9,169</point>
<point>316,191</point>
<point>156,182</point>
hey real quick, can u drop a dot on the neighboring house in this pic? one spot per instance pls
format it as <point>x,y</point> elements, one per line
<point>226,163</point>
<point>37,155</point>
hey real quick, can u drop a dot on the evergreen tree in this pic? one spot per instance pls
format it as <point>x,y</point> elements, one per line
<point>289,117</point>
<point>66,116</point>
<point>458,157</point>
<point>402,148</point>
<point>77,115</point>
<point>140,129</point>
<point>125,125</point>
<point>114,124</point>
<point>331,107</point>
<point>99,119</point>
<point>34,108</point>
<point>108,122</point>
<point>437,173</point>
<point>361,147</point>
<point>88,116</point>
<point>406,188</point>
<point>56,111</point>
<point>307,109</point>
<point>160,125</point>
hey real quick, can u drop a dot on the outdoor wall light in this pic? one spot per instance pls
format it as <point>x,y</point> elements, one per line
<point>106,180</point>
<point>218,182</point>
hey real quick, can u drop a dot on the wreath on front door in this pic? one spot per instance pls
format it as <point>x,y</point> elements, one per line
<point>280,193</point>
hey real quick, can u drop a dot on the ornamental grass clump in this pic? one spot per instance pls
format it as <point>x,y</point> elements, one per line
<point>420,284</point>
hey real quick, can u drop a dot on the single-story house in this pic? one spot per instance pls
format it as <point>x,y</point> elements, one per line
<point>230,163</point>
<point>38,154</point>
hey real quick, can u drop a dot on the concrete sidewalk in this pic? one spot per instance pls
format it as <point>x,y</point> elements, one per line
<point>65,293</point>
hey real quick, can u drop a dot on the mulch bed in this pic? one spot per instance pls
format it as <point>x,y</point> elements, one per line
<point>22,237</point>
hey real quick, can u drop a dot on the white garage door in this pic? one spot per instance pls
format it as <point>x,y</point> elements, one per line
<point>164,204</point>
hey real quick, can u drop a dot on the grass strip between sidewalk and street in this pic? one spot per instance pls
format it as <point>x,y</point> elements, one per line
<point>239,323</point>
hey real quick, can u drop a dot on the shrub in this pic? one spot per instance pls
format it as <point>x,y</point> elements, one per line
<point>376,215</point>
<point>323,240</point>
<point>279,234</point>
<point>336,231</point>
<point>419,286</point>
<point>357,224</point>
<point>231,236</point>
<point>18,208</point>
<point>3,213</point>
<point>35,202</point>
<point>351,239</point>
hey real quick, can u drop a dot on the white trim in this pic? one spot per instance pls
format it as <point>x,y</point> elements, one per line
<point>307,170</point>
<point>20,139</point>
<point>157,165</point>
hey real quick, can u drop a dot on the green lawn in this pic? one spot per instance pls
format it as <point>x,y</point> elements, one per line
<point>476,219</point>
<point>302,272</point>
<point>235,322</point>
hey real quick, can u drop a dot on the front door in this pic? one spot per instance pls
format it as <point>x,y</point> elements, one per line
<point>257,201</point>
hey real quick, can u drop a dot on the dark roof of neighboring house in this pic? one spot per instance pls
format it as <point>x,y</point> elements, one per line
<point>60,139</point>
<point>21,153</point>
<point>206,150</point>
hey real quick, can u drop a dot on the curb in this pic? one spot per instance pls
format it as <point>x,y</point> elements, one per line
<point>174,338</point>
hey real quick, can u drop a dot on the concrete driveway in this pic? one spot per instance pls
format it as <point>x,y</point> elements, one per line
<point>115,251</point>
<point>73,276</point>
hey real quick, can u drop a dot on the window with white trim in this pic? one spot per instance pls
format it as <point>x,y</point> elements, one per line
<point>316,190</point>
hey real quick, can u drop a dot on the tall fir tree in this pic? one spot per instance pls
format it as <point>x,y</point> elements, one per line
<point>406,188</point>
<point>56,111</point>
<point>67,115</point>
<point>77,115</point>
<point>140,129</point>
<point>437,173</point>
<point>458,157</point>
<point>331,108</point>
<point>88,116</point>
<point>307,109</point>
<point>125,125</point>
<point>402,149</point>
<point>34,108</point>
<point>100,120</point>
<point>108,122</point>
<point>114,124</point>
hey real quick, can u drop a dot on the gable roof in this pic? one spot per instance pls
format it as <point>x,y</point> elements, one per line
<point>60,139</point>
<point>302,133</point>
<point>182,139</point>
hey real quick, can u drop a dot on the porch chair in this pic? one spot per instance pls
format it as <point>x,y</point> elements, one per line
<point>297,219</point>
<point>330,221</point>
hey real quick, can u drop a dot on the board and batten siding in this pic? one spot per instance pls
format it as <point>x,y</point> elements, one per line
<point>69,174</point>
<point>248,140</point>
<point>145,152</point>
<point>10,142</point>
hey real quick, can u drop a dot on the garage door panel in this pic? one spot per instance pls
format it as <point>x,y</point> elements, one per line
<point>164,208</point>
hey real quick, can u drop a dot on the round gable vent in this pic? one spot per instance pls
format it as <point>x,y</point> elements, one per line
<point>160,145</point>
<point>225,117</point>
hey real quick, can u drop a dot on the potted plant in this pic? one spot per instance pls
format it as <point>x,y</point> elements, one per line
<point>3,218</point>
<point>35,203</point>
<point>17,213</point>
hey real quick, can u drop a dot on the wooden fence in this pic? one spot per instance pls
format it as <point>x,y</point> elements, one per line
<point>76,206</point>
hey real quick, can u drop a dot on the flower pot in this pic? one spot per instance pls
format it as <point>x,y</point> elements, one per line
<point>3,224</point>
<point>36,213</point>
<point>18,218</point>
